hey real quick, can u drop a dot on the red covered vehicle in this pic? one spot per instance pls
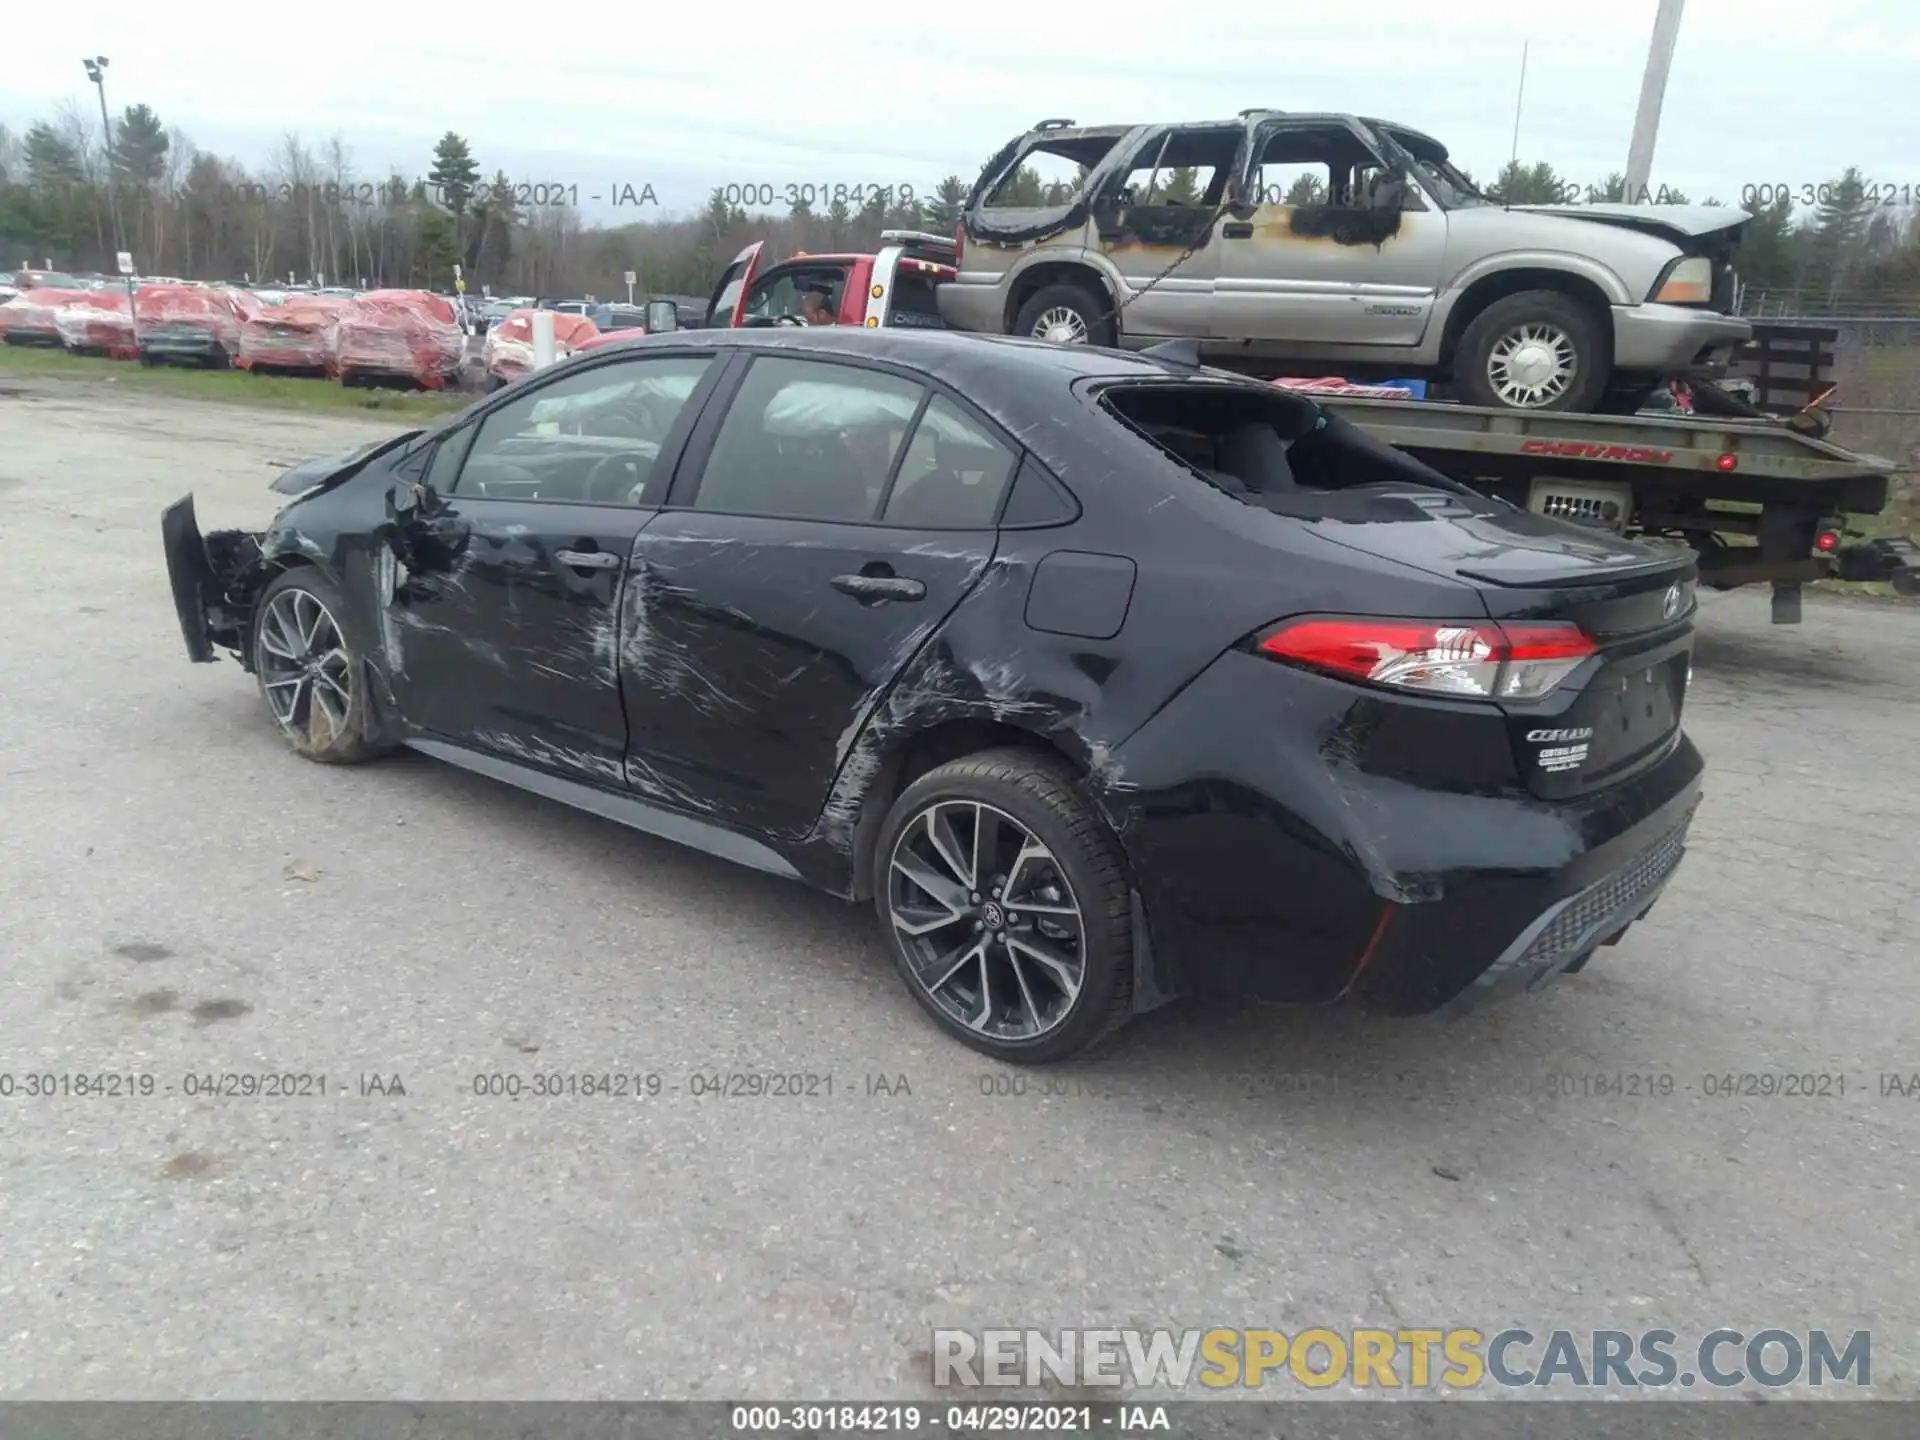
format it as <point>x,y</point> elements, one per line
<point>408,335</point>
<point>99,323</point>
<point>31,317</point>
<point>297,337</point>
<point>191,324</point>
<point>509,349</point>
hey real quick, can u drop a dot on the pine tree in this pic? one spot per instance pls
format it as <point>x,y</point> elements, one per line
<point>949,201</point>
<point>140,145</point>
<point>454,174</point>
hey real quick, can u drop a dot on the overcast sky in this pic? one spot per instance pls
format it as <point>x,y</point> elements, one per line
<point>683,97</point>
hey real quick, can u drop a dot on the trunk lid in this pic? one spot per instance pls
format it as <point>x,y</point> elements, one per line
<point>1618,713</point>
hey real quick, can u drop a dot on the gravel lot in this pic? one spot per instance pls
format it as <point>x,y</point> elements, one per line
<point>179,895</point>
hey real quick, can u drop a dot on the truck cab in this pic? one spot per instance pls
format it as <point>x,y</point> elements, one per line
<point>893,287</point>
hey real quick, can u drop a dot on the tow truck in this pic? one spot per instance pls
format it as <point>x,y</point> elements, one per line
<point>1760,499</point>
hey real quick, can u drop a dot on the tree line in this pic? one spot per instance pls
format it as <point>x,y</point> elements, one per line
<point>65,194</point>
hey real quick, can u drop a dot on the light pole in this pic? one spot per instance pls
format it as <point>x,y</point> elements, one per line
<point>1653,90</point>
<point>97,73</point>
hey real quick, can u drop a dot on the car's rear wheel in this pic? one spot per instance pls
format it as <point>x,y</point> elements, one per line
<point>310,674</point>
<point>1006,906</point>
<point>1066,314</point>
<point>1538,350</point>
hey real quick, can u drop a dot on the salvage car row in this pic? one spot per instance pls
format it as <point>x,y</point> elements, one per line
<point>388,337</point>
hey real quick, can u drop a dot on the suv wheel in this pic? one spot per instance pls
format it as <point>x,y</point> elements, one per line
<point>1006,907</point>
<point>1066,314</point>
<point>1538,350</point>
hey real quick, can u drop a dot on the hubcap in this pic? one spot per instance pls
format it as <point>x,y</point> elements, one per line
<point>990,927</point>
<point>1061,326</point>
<point>304,667</point>
<point>1532,365</point>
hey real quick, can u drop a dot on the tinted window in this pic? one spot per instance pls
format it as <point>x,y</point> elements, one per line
<point>808,439</point>
<point>953,475</point>
<point>592,437</point>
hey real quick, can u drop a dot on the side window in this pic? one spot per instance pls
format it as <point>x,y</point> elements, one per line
<point>1183,168</point>
<point>808,439</point>
<point>443,472</point>
<point>720,313</point>
<point>591,438</point>
<point>1310,166</point>
<point>783,293</point>
<point>953,475</point>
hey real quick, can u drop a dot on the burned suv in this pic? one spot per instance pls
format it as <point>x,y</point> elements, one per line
<point>1284,240</point>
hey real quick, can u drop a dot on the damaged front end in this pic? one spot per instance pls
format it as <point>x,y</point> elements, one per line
<point>215,579</point>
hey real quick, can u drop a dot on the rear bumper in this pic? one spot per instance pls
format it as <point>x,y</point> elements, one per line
<point>1274,860</point>
<point>1676,340</point>
<point>975,305</point>
<point>182,342</point>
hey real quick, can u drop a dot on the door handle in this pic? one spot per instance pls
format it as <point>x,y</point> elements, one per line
<point>874,588</point>
<point>1237,230</point>
<point>588,559</point>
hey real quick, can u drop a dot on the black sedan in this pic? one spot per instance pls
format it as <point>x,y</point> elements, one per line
<point>1105,677</point>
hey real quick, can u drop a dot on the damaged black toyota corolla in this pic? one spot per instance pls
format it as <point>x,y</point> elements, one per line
<point>1107,678</point>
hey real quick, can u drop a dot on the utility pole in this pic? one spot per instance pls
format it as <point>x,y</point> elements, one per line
<point>1653,90</point>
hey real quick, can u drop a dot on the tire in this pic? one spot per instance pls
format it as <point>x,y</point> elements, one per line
<point>1041,797</point>
<point>1083,304</point>
<point>1577,332</point>
<point>330,733</point>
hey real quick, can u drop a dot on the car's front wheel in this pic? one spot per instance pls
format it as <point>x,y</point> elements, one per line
<point>1538,350</point>
<point>310,674</point>
<point>1006,906</point>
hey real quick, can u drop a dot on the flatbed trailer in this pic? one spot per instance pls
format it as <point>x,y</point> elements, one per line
<point>1758,500</point>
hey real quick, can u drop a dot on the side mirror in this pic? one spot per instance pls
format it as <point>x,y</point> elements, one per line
<point>1391,194</point>
<point>404,500</point>
<point>662,316</point>
<point>1238,204</point>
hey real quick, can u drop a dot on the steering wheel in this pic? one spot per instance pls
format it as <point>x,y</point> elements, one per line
<point>790,320</point>
<point>624,473</point>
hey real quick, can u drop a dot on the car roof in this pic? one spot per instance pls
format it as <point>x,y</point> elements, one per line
<point>999,372</point>
<point>1101,132</point>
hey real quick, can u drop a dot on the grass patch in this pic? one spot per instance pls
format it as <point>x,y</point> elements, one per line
<point>229,386</point>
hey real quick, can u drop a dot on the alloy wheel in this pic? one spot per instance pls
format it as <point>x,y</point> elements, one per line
<point>988,920</point>
<point>304,667</point>
<point>1061,325</point>
<point>1532,365</point>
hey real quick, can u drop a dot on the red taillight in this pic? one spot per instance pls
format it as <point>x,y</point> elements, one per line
<point>1727,461</point>
<point>1472,659</point>
<point>1827,541</point>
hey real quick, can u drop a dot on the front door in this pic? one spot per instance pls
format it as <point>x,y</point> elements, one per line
<point>1318,259</point>
<point>819,535</point>
<point>502,633</point>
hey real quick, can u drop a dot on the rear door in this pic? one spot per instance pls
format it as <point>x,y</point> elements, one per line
<point>501,632</point>
<point>728,304</point>
<point>820,531</point>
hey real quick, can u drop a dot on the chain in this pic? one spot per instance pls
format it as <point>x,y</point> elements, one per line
<point>1206,231</point>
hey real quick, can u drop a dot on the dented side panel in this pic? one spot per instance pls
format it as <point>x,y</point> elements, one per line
<point>747,673</point>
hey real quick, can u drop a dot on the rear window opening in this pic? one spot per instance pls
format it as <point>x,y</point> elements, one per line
<point>1264,445</point>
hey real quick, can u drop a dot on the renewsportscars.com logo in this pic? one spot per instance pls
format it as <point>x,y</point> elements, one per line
<point>1402,1358</point>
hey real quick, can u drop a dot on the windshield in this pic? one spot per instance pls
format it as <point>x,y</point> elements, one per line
<point>1450,187</point>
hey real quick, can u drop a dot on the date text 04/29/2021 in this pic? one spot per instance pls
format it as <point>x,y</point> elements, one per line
<point>1107,1417</point>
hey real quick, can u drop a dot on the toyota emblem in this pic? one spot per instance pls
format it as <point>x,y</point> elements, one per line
<point>1675,600</point>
